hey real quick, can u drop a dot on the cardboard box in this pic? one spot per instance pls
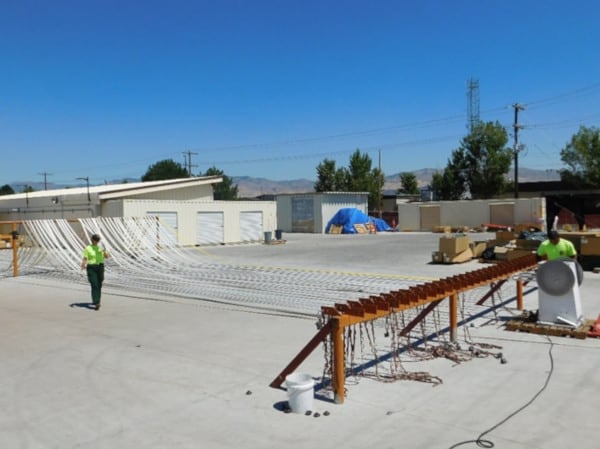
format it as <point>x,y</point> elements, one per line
<point>506,235</point>
<point>452,246</point>
<point>500,252</point>
<point>464,256</point>
<point>590,246</point>
<point>496,242</point>
<point>442,229</point>
<point>516,253</point>
<point>478,248</point>
<point>527,244</point>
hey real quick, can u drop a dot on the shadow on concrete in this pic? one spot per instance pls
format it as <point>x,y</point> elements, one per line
<point>83,305</point>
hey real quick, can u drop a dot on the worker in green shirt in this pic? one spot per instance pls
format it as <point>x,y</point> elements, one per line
<point>93,263</point>
<point>555,248</point>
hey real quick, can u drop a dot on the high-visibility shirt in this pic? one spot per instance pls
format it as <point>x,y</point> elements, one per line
<point>93,254</point>
<point>564,248</point>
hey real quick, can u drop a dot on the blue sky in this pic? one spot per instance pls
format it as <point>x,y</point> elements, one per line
<point>269,89</point>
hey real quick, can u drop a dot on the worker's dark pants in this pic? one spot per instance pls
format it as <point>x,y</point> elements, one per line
<point>95,274</point>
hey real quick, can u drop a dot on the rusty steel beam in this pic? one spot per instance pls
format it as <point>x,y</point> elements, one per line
<point>426,311</point>
<point>302,355</point>
<point>495,287</point>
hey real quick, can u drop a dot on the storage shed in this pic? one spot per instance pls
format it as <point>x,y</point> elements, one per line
<point>310,212</point>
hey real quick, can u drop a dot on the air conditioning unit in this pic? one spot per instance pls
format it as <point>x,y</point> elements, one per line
<point>559,300</point>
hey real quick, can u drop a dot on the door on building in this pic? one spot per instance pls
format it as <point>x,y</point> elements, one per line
<point>303,216</point>
<point>502,214</point>
<point>251,226</point>
<point>209,228</point>
<point>430,217</point>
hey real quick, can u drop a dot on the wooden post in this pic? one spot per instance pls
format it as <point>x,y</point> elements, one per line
<point>519,294</point>
<point>339,375</point>
<point>453,316</point>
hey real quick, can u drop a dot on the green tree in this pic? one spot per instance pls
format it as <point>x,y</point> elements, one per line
<point>165,169</point>
<point>485,159</point>
<point>408,184</point>
<point>358,177</point>
<point>448,185</point>
<point>582,157</point>
<point>330,178</point>
<point>225,190</point>
<point>6,190</point>
<point>478,167</point>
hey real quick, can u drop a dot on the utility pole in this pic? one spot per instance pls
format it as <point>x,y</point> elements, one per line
<point>87,183</point>
<point>45,175</point>
<point>518,107</point>
<point>379,186</point>
<point>187,156</point>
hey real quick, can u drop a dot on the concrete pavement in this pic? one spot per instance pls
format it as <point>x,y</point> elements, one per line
<point>166,372</point>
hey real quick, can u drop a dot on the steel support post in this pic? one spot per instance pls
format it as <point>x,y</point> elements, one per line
<point>339,375</point>
<point>519,294</point>
<point>453,316</point>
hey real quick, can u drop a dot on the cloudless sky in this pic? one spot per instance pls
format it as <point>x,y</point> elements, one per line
<point>105,88</point>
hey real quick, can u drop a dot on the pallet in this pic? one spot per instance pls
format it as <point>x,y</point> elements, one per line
<point>275,242</point>
<point>525,323</point>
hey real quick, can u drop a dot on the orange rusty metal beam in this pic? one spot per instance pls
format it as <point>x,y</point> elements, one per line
<point>305,352</point>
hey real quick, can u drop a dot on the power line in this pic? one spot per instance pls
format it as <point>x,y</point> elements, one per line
<point>370,132</point>
<point>368,149</point>
<point>554,98</point>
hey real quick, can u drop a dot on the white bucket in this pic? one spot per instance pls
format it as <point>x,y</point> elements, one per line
<point>300,391</point>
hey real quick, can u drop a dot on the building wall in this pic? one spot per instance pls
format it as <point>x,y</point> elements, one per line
<point>196,193</point>
<point>187,212</point>
<point>472,213</point>
<point>112,208</point>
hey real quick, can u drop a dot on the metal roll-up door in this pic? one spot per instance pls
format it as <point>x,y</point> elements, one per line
<point>209,228</point>
<point>167,219</point>
<point>251,225</point>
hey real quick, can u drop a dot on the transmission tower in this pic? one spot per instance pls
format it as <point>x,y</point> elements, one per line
<point>472,103</point>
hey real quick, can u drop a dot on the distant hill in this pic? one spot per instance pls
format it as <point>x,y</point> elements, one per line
<point>249,187</point>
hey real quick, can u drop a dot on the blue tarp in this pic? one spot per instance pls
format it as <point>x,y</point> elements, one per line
<point>381,224</point>
<point>350,216</point>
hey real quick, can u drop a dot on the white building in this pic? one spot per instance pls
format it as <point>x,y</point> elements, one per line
<point>186,205</point>
<point>472,213</point>
<point>310,212</point>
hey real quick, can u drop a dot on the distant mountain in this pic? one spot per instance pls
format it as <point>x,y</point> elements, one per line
<point>249,187</point>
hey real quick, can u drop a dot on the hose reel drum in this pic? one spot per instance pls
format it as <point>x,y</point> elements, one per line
<point>559,297</point>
